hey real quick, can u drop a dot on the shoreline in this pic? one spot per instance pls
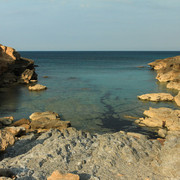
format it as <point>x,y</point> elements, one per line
<point>88,155</point>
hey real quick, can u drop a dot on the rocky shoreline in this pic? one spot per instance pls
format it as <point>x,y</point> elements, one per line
<point>34,148</point>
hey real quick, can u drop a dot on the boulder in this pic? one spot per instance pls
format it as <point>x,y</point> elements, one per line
<point>43,121</point>
<point>157,97</point>
<point>37,87</point>
<point>56,175</point>
<point>6,120</point>
<point>174,85</point>
<point>44,124</point>
<point>177,99</point>
<point>48,114</point>
<point>161,118</point>
<point>6,139</point>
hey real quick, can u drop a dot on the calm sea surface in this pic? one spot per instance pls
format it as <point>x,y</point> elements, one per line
<point>93,90</point>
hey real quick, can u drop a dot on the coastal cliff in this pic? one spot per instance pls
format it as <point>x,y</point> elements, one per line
<point>14,68</point>
<point>168,70</point>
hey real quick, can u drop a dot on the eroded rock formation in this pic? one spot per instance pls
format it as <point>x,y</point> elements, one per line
<point>168,70</point>
<point>14,68</point>
<point>157,97</point>
<point>109,156</point>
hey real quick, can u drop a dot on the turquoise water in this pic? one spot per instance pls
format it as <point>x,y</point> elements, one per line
<point>93,90</point>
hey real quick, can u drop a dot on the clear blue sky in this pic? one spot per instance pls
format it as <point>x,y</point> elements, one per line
<point>90,24</point>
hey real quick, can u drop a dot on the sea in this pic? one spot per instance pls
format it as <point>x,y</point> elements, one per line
<point>95,90</point>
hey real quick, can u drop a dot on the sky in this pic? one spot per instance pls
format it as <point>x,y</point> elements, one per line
<point>72,25</point>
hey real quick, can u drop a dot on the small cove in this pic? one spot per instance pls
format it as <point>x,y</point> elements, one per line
<point>93,90</point>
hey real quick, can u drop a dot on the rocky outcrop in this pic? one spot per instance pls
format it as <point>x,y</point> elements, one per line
<point>109,156</point>
<point>167,69</point>
<point>14,68</point>
<point>39,122</point>
<point>161,118</point>
<point>174,85</point>
<point>37,87</point>
<point>43,121</point>
<point>157,97</point>
<point>56,175</point>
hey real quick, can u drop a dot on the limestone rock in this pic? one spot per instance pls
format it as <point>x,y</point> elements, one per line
<point>56,175</point>
<point>9,53</point>
<point>169,158</point>
<point>162,132</point>
<point>28,75</point>
<point>6,120</point>
<point>177,99</point>
<point>48,114</point>
<point>43,121</point>
<point>157,97</point>
<point>6,139</point>
<point>46,124</point>
<point>37,87</point>
<point>90,156</point>
<point>167,69</point>
<point>160,118</point>
<point>16,131</point>
<point>174,85</point>
<point>14,68</point>
<point>21,122</point>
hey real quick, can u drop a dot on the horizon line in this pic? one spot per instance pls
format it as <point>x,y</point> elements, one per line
<point>100,50</point>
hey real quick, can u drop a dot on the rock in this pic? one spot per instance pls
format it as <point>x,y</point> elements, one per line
<point>25,123</point>
<point>160,118</point>
<point>48,114</point>
<point>157,97</point>
<point>169,159</point>
<point>43,121</point>
<point>29,75</point>
<point>136,135</point>
<point>174,85</point>
<point>6,120</point>
<point>167,69</point>
<point>130,117</point>
<point>8,53</point>
<point>21,122</point>
<point>44,124</point>
<point>90,156</point>
<point>6,139</point>
<point>37,87</point>
<point>33,81</point>
<point>56,175</point>
<point>14,68</point>
<point>162,133</point>
<point>177,99</point>
<point>16,131</point>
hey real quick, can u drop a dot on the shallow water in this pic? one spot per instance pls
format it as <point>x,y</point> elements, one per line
<point>93,90</point>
